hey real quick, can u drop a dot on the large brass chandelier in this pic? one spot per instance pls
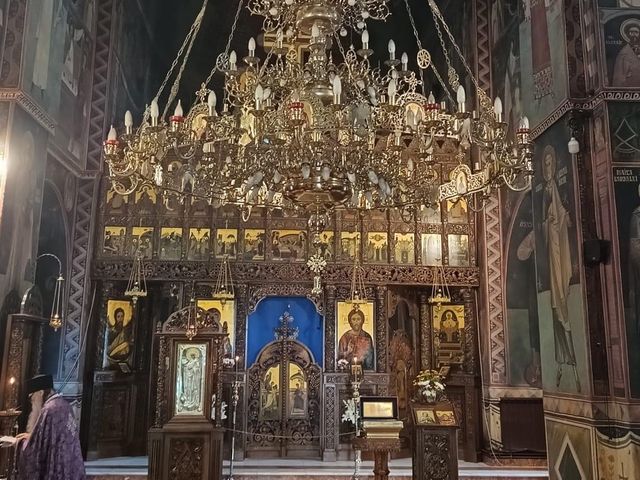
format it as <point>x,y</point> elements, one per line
<point>315,134</point>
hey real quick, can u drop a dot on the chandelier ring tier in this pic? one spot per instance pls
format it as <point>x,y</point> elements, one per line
<point>314,134</point>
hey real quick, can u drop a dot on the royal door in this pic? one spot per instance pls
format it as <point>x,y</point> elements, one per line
<point>284,398</point>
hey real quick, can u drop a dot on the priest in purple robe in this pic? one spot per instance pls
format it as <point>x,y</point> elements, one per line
<point>50,448</point>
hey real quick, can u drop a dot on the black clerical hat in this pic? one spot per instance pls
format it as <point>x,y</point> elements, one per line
<point>39,382</point>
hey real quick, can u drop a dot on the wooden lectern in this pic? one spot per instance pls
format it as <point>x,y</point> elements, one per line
<point>185,441</point>
<point>435,443</point>
<point>381,429</point>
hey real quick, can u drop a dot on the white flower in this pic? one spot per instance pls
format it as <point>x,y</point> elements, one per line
<point>350,414</point>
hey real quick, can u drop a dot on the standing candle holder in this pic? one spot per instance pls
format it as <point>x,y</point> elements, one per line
<point>235,397</point>
<point>356,378</point>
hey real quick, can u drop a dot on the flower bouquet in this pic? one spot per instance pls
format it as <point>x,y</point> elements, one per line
<point>350,414</point>
<point>429,385</point>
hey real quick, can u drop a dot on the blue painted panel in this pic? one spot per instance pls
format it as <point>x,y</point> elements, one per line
<point>262,322</point>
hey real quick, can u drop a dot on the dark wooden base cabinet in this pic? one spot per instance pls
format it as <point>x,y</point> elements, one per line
<point>435,443</point>
<point>185,442</point>
<point>185,455</point>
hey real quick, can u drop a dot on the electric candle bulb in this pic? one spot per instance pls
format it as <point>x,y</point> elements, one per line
<point>337,89</point>
<point>259,95</point>
<point>431,98</point>
<point>252,47</point>
<point>391,91</point>
<point>178,112</point>
<point>211,102</point>
<point>365,40</point>
<point>497,108</point>
<point>315,31</point>
<point>392,50</point>
<point>405,61</point>
<point>113,135</point>
<point>128,121</point>
<point>461,98</point>
<point>279,38</point>
<point>154,112</point>
<point>524,123</point>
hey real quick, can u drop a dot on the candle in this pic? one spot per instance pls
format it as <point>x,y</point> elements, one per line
<point>211,103</point>
<point>405,61</point>
<point>391,91</point>
<point>461,99</point>
<point>337,89</point>
<point>365,40</point>
<point>259,94</point>
<point>497,108</point>
<point>178,112</point>
<point>155,112</point>
<point>233,58</point>
<point>392,50</point>
<point>128,122</point>
<point>252,47</point>
<point>111,137</point>
<point>13,385</point>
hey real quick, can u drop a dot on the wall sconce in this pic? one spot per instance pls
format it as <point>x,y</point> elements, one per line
<point>574,146</point>
<point>575,123</point>
<point>57,315</point>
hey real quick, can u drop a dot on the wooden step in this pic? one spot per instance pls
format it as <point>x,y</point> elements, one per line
<point>135,468</point>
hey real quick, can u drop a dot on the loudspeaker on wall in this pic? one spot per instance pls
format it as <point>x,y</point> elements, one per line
<point>596,251</point>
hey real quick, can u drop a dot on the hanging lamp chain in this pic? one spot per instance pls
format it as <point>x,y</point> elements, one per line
<point>223,57</point>
<point>185,44</point>
<point>435,71</point>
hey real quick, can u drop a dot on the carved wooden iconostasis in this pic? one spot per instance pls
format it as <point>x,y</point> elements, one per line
<point>183,244</point>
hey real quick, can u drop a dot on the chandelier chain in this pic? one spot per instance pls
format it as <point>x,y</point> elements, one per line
<point>437,16</point>
<point>174,64</point>
<point>176,84</point>
<point>266,63</point>
<point>441,38</point>
<point>217,67</point>
<point>433,67</point>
